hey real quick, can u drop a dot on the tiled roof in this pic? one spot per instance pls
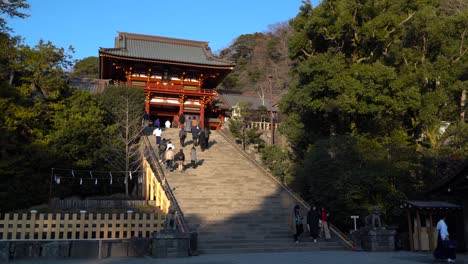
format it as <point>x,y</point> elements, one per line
<point>163,49</point>
<point>430,205</point>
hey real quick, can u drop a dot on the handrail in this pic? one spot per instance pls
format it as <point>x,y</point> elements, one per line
<point>160,175</point>
<point>304,204</point>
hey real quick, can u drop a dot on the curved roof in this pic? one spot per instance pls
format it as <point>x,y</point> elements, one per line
<point>163,49</point>
<point>430,205</point>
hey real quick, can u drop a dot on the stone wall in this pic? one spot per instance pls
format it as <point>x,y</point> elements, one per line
<point>369,239</point>
<point>160,246</point>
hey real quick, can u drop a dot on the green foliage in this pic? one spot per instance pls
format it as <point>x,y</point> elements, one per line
<point>239,126</point>
<point>372,83</point>
<point>11,8</point>
<point>78,130</point>
<point>236,127</point>
<point>350,175</point>
<point>277,161</point>
<point>87,67</point>
<point>43,69</point>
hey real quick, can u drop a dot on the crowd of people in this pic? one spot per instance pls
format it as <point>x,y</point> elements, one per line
<point>166,149</point>
<point>316,223</point>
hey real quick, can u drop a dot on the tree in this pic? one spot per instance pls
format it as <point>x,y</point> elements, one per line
<point>11,8</point>
<point>238,125</point>
<point>258,56</point>
<point>377,78</point>
<point>79,130</point>
<point>277,161</point>
<point>87,67</point>
<point>125,106</point>
<point>43,68</point>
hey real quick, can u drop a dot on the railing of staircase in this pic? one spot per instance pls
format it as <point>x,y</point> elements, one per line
<point>303,203</point>
<point>177,216</point>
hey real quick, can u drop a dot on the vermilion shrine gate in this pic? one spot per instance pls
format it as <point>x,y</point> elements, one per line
<point>178,76</point>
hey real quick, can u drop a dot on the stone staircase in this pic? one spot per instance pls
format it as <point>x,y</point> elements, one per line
<point>232,204</point>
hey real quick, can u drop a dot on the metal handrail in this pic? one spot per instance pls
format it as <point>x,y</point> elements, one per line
<point>161,177</point>
<point>301,201</point>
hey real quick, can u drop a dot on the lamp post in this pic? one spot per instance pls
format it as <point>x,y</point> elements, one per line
<point>272,121</point>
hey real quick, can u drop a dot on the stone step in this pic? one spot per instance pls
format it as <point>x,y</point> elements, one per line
<point>258,248</point>
<point>232,204</point>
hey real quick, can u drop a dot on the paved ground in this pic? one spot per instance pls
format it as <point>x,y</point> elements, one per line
<point>332,257</point>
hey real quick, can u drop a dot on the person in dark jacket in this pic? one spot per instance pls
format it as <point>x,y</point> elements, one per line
<point>313,222</point>
<point>202,139</point>
<point>207,137</point>
<point>181,120</point>
<point>195,132</point>
<point>180,158</point>
<point>161,149</point>
<point>182,136</point>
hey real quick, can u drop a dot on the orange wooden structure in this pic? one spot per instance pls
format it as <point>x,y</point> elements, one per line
<point>179,76</point>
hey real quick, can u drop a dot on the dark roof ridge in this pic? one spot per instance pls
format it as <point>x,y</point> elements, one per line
<point>202,44</point>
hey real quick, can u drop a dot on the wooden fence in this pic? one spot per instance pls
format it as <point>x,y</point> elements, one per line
<point>40,226</point>
<point>106,204</point>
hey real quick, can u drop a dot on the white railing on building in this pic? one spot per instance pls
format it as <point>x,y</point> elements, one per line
<point>262,125</point>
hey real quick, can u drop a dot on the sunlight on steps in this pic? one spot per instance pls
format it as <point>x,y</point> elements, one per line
<point>231,203</point>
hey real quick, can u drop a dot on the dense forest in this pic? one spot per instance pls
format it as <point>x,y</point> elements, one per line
<point>47,124</point>
<point>372,99</point>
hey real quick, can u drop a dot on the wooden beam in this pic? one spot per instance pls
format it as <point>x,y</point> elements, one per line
<point>410,229</point>
<point>430,229</point>
<point>418,229</point>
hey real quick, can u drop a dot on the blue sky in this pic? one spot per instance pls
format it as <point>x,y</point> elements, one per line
<point>90,24</point>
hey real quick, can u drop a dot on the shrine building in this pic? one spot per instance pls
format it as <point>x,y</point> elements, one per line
<point>179,76</point>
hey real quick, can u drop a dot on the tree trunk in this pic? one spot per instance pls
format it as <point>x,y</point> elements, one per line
<point>12,76</point>
<point>462,106</point>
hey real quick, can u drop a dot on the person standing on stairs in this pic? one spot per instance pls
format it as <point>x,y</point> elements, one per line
<point>157,132</point>
<point>324,230</point>
<point>195,131</point>
<point>180,158</point>
<point>188,126</point>
<point>313,219</point>
<point>207,137</point>
<point>296,224</point>
<point>169,158</point>
<point>161,149</point>
<point>202,139</point>
<point>193,157</point>
<point>182,136</point>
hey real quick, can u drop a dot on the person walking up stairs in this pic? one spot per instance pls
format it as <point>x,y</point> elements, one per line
<point>233,206</point>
